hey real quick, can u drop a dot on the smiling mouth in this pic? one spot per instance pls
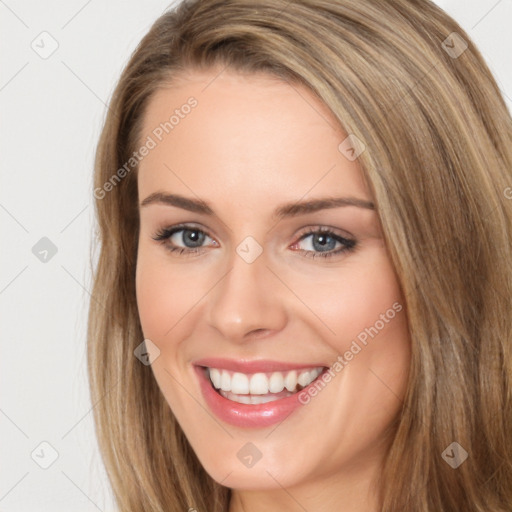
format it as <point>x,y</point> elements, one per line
<point>260,388</point>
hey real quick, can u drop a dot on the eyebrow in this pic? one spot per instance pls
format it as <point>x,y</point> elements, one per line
<point>285,210</point>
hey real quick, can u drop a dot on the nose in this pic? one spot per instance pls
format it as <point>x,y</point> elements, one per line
<point>248,301</point>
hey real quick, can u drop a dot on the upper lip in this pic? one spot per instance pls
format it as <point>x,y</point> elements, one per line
<point>255,366</point>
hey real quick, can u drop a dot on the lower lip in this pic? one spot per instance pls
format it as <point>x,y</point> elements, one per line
<point>246,415</point>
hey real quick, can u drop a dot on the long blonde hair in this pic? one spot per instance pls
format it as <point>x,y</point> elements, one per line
<point>438,159</point>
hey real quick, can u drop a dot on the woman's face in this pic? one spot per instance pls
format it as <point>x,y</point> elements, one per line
<point>256,295</point>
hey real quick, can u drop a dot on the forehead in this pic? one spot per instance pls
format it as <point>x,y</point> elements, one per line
<point>249,135</point>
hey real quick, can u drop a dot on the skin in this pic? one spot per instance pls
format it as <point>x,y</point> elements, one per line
<point>251,144</point>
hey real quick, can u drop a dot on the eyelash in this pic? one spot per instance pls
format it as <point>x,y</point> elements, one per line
<point>165,234</point>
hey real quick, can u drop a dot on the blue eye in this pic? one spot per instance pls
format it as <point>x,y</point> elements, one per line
<point>323,241</point>
<point>189,234</point>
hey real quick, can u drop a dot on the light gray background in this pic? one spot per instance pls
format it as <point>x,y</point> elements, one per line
<point>52,111</point>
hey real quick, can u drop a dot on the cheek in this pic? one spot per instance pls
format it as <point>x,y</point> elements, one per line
<point>165,293</point>
<point>350,299</point>
<point>165,296</point>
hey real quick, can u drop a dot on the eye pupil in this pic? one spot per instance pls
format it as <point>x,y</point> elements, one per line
<point>322,241</point>
<point>194,236</point>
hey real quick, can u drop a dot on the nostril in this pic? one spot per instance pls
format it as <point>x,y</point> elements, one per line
<point>258,333</point>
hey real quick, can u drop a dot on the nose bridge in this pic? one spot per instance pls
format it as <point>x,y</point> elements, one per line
<point>246,298</point>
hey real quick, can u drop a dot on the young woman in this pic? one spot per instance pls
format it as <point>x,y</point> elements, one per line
<point>303,295</point>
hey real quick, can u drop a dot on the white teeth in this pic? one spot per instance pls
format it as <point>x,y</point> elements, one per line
<point>262,399</point>
<point>276,383</point>
<point>260,383</point>
<point>215,377</point>
<point>314,373</point>
<point>240,384</point>
<point>250,399</point>
<point>244,399</point>
<point>225,381</point>
<point>304,378</point>
<point>290,381</point>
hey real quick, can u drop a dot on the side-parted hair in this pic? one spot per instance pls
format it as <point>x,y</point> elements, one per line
<point>438,161</point>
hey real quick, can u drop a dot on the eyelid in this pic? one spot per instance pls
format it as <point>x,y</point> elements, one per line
<point>326,228</point>
<point>313,228</point>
